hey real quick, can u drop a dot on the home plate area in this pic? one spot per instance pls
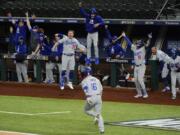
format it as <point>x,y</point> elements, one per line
<point>165,124</point>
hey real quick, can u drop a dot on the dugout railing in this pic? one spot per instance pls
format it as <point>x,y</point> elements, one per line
<point>8,72</point>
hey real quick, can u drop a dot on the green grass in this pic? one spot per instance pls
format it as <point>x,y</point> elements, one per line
<point>76,122</point>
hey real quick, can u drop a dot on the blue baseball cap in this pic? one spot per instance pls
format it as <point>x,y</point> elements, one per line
<point>93,11</point>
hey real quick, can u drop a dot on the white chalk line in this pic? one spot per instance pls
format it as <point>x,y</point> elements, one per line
<point>12,132</point>
<point>35,114</point>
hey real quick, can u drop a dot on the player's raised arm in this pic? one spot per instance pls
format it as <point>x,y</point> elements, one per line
<point>82,11</point>
<point>28,21</point>
<point>127,39</point>
<point>108,33</point>
<point>60,41</point>
<point>149,40</point>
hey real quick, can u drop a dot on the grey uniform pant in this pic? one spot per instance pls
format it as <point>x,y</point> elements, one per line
<point>93,108</point>
<point>49,70</point>
<point>92,38</point>
<point>139,72</point>
<point>175,77</point>
<point>21,70</point>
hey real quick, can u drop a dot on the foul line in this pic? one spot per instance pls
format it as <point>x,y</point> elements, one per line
<point>16,133</point>
<point>34,114</point>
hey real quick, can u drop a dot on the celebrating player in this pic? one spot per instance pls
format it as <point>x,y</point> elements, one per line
<point>20,30</point>
<point>139,49</point>
<point>44,49</point>
<point>34,38</point>
<point>174,65</point>
<point>55,58</point>
<point>114,49</point>
<point>93,23</point>
<point>92,88</point>
<point>21,63</point>
<point>70,44</point>
<point>175,71</point>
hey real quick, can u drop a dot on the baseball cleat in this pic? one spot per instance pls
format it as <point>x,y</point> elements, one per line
<point>61,87</point>
<point>145,96</point>
<point>137,96</point>
<point>166,89</point>
<point>69,84</point>
<point>101,132</point>
<point>173,97</point>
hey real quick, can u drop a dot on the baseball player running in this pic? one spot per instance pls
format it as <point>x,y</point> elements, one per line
<point>70,44</point>
<point>139,49</point>
<point>92,88</point>
<point>93,23</point>
<point>174,65</point>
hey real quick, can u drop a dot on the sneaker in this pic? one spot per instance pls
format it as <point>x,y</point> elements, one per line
<point>166,89</point>
<point>96,61</point>
<point>50,81</point>
<point>145,96</point>
<point>137,96</point>
<point>88,61</point>
<point>45,81</point>
<point>178,90</point>
<point>61,86</point>
<point>173,97</point>
<point>70,85</point>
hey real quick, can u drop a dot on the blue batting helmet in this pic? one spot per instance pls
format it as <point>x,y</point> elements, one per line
<point>88,71</point>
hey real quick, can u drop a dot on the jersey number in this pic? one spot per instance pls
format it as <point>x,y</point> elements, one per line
<point>94,86</point>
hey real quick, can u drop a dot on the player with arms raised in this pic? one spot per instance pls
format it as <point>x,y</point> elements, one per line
<point>139,49</point>
<point>93,23</point>
<point>70,44</point>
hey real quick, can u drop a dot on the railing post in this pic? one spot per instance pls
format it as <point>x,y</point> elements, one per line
<point>38,71</point>
<point>2,69</point>
<point>154,75</point>
<point>113,74</point>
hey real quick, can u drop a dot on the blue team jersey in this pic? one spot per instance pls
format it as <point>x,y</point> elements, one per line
<point>21,48</point>
<point>59,51</point>
<point>45,49</point>
<point>20,31</point>
<point>90,22</point>
<point>114,48</point>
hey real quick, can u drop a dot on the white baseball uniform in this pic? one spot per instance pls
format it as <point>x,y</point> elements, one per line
<point>69,47</point>
<point>161,56</point>
<point>175,75</point>
<point>93,90</point>
<point>140,68</point>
